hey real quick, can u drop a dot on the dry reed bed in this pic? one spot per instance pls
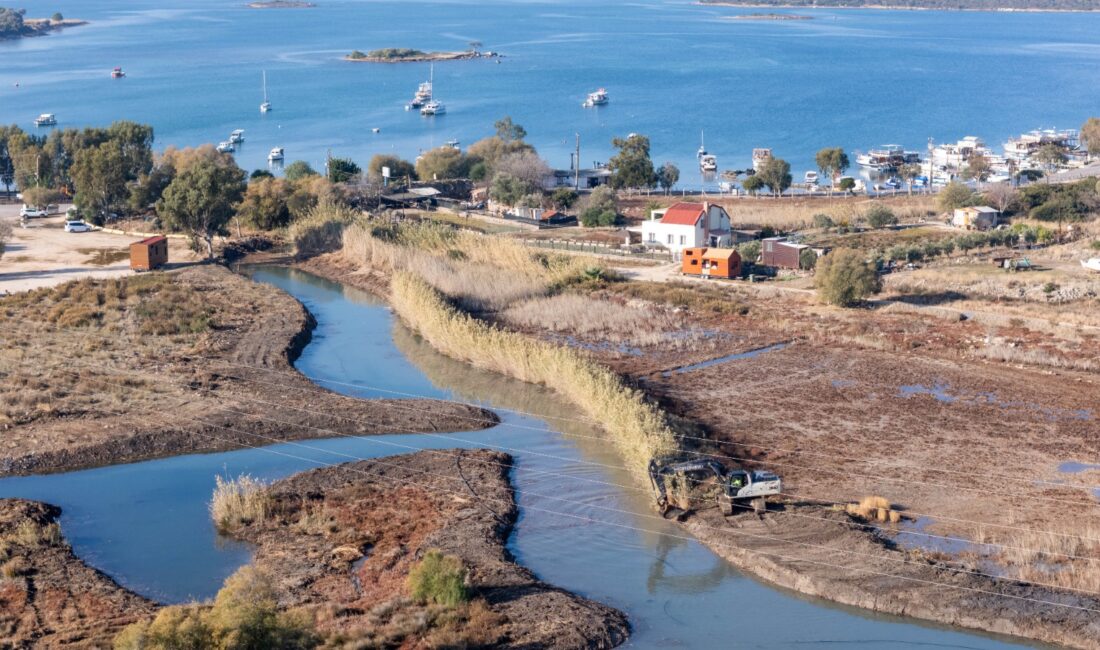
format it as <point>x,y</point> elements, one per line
<point>639,429</point>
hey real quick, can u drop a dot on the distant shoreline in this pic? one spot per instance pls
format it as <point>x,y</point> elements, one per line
<point>769,17</point>
<point>809,4</point>
<point>280,4</point>
<point>419,57</point>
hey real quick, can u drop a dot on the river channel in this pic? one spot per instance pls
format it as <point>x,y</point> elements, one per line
<point>584,523</point>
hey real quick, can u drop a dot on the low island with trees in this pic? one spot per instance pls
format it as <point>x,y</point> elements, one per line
<point>14,24</point>
<point>939,5</point>
<point>409,55</point>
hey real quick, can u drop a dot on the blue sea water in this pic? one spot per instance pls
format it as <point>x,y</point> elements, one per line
<point>851,78</point>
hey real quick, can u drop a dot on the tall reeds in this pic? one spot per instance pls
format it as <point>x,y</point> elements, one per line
<point>238,502</point>
<point>637,428</point>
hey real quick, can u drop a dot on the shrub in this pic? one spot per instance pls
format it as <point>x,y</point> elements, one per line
<point>439,579</point>
<point>807,259</point>
<point>601,208</point>
<point>823,221</point>
<point>749,251</point>
<point>238,502</point>
<point>954,195</point>
<point>845,278</point>
<point>880,215</point>
<point>14,568</point>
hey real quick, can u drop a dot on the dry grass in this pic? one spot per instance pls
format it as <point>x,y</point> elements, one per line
<point>874,508</point>
<point>238,502</point>
<point>14,568</point>
<point>638,428</point>
<point>1069,559</point>
<point>321,229</point>
<point>579,314</point>
<point>1035,357</point>
<point>714,299</point>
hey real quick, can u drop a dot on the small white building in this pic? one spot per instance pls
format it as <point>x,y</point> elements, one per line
<point>582,179</point>
<point>688,225</point>
<point>981,217</point>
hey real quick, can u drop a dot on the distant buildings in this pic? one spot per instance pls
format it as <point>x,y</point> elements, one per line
<point>688,225</point>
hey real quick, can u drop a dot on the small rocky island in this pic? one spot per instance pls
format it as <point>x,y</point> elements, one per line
<point>280,4</point>
<point>406,55</point>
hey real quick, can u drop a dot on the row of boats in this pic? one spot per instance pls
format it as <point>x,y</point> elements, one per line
<point>236,138</point>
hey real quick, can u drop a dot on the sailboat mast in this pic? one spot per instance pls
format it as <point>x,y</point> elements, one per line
<point>265,86</point>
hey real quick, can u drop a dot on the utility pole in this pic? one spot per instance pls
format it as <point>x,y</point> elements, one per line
<point>577,167</point>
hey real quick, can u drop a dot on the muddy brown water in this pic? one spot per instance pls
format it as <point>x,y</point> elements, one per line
<point>584,525</point>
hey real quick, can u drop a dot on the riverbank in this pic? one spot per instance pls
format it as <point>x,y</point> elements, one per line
<point>829,455</point>
<point>48,597</point>
<point>114,371</point>
<point>345,553</point>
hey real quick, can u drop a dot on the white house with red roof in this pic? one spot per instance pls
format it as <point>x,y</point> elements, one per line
<point>688,225</point>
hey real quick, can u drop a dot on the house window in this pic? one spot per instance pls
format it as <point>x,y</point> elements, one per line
<point>683,240</point>
<point>653,237</point>
<point>670,239</point>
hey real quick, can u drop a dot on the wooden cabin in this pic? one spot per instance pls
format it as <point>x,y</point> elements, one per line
<point>711,262</point>
<point>149,253</point>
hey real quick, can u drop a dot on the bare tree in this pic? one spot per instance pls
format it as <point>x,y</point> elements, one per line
<point>526,166</point>
<point>1002,196</point>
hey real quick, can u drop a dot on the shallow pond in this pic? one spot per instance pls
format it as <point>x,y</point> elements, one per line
<point>585,525</point>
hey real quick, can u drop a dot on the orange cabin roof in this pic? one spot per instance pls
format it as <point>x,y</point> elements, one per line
<point>150,240</point>
<point>726,254</point>
<point>684,214</point>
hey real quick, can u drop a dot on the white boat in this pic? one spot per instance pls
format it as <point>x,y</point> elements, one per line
<point>453,144</point>
<point>117,73</point>
<point>276,155</point>
<point>598,98</point>
<point>888,157</point>
<point>702,147</point>
<point>226,147</point>
<point>708,164</point>
<point>1092,264</point>
<point>46,119</point>
<point>810,178</point>
<point>237,136</point>
<point>423,91</point>
<point>433,107</point>
<point>266,105</point>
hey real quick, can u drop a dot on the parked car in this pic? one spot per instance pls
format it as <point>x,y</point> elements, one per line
<point>76,226</point>
<point>27,212</point>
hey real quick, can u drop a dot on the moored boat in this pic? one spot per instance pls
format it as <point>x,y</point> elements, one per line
<point>117,73</point>
<point>276,154</point>
<point>236,136</point>
<point>598,98</point>
<point>46,119</point>
<point>266,105</point>
<point>226,147</point>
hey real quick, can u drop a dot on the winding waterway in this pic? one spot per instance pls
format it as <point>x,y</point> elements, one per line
<point>851,78</point>
<point>584,525</point>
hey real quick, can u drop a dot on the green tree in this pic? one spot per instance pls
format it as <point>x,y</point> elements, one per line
<point>600,208</point>
<point>57,17</point>
<point>509,131</point>
<point>265,203</point>
<point>508,189</point>
<point>442,163</point>
<point>880,215</point>
<point>1051,156</point>
<point>200,200</point>
<point>260,173</point>
<point>99,178</point>
<point>977,169</point>
<point>749,251</point>
<point>399,168</point>
<point>954,195</point>
<point>775,174</point>
<point>7,165</point>
<point>632,167</point>
<point>297,170</point>
<point>845,278</point>
<point>807,259</point>
<point>832,162</point>
<point>823,221</point>
<point>1090,135</point>
<point>491,150</point>
<point>135,142</point>
<point>342,170</point>
<point>11,22</point>
<point>753,184</point>
<point>564,198</point>
<point>479,172</point>
<point>668,175</point>
<point>150,187</point>
<point>846,184</point>
<point>40,197</point>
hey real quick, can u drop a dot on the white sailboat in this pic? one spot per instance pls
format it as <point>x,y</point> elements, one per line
<point>266,106</point>
<point>433,106</point>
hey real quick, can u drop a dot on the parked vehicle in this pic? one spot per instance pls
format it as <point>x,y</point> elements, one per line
<point>27,212</point>
<point>680,487</point>
<point>76,226</point>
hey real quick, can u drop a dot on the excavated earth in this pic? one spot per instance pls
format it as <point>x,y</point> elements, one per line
<point>48,597</point>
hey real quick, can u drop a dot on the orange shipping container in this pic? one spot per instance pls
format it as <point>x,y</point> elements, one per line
<point>711,262</point>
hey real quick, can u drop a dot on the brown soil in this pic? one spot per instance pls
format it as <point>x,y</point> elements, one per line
<point>48,597</point>
<point>342,541</point>
<point>81,393</point>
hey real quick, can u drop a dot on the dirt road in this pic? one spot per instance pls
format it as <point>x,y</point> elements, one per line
<point>43,254</point>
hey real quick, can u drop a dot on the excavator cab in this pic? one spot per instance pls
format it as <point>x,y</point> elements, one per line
<point>681,487</point>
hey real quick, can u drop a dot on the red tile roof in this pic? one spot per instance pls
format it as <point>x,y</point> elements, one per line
<point>684,214</point>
